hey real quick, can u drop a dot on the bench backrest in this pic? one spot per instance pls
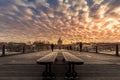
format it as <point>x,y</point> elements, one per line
<point>48,58</point>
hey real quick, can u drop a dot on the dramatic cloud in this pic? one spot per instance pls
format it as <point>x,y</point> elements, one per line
<point>73,20</point>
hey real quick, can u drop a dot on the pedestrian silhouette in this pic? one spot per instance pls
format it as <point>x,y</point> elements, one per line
<point>52,47</point>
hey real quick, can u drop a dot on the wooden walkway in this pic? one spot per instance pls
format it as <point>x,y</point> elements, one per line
<point>34,72</point>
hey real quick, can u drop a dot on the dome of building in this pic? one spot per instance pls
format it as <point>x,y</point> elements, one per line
<point>59,41</point>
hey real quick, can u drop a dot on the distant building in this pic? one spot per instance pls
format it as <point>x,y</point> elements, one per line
<point>59,43</point>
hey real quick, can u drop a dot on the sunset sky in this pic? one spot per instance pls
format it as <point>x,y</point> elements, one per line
<point>72,20</point>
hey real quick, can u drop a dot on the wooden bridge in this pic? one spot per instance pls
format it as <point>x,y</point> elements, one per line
<point>24,67</point>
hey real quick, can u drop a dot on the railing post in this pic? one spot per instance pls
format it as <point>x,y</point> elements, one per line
<point>23,51</point>
<point>3,50</point>
<point>96,49</point>
<point>117,50</point>
<point>70,47</point>
<point>80,46</point>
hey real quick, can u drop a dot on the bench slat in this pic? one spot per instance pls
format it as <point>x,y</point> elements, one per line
<point>71,58</point>
<point>48,58</point>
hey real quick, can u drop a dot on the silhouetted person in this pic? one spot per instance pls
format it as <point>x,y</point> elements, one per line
<point>81,45</point>
<point>52,47</point>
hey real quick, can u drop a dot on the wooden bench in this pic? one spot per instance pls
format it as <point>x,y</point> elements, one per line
<point>47,60</point>
<point>72,60</point>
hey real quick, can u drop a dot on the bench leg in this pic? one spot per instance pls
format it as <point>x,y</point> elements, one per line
<point>63,59</point>
<point>71,74</point>
<point>48,72</point>
<point>74,73</point>
<point>68,73</point>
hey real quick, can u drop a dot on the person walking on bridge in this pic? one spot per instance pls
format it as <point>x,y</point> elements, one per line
<point>52,47</point>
